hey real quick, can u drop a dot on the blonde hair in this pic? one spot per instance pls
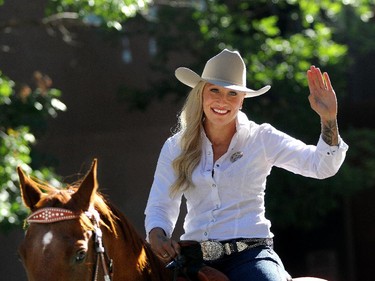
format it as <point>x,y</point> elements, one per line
<point>190,126</point>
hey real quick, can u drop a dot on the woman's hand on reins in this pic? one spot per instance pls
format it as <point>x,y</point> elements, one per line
<point>163,246</point>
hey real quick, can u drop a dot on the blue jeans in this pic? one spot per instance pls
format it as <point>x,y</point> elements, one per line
<point>257,264</point>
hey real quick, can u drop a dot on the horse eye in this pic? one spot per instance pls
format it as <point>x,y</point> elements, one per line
<point>80,256</point>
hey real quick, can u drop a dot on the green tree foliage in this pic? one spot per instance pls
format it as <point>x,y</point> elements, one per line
<point>23,113</point>
<point>102,13</point>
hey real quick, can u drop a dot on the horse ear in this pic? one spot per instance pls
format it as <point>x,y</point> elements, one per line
<point>30,192</point>
<point>87,189</point>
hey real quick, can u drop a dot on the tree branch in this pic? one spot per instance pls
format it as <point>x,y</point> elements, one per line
<point>58,21</point>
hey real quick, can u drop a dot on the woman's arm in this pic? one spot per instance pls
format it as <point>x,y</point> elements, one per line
<point>323,101</point>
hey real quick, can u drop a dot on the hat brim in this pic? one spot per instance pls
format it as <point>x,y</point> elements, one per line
<point>191,79</point>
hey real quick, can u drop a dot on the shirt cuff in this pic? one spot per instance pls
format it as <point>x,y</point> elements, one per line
<point>159,224</point>
<point>331,150</point>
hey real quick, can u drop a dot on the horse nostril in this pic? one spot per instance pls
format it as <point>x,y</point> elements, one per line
<point>80,256</point>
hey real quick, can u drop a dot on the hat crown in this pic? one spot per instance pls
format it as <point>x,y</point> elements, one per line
<point>227,67</point>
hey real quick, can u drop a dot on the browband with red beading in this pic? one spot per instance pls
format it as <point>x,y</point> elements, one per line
<point>49,215</point>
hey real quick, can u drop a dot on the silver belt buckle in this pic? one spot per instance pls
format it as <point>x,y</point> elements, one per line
<point>241,246</point>
<point>212,250</point>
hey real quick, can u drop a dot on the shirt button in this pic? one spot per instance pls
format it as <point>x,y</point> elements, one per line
<point>205,234</point>
<point>213,185</point>
<point>217,165</point>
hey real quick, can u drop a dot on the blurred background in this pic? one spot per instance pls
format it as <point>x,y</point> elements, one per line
<point>95,79</point>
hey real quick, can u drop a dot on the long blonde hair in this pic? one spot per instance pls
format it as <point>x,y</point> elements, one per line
<point>190,126</point>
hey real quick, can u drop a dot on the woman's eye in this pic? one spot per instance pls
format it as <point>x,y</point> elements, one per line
<point>232,94</point>
<point>214,90</point>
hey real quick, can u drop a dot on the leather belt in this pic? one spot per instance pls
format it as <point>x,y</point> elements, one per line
<point>213,250</point>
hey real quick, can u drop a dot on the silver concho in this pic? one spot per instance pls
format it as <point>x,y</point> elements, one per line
<point>212,250</point>
<point>235,156</point>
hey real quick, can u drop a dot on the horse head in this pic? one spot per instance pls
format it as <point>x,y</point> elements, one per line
<point>75,234</point>
<point>58,238</point>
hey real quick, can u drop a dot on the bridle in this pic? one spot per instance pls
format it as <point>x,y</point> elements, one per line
<point>51,215</point>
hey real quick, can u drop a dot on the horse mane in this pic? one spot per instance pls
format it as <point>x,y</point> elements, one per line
<point>147,261</point>
<point>59,197</point>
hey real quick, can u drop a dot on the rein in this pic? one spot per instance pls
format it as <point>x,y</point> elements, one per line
<point>51,215</point>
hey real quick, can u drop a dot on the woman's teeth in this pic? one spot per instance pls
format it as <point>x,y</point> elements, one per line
<point>220,111</point>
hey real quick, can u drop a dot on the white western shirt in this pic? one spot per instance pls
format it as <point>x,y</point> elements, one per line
<point>229,203</point>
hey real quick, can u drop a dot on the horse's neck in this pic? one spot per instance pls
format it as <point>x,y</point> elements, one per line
<point>132,257</point>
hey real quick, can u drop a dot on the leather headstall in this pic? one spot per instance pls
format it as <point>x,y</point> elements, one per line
<point>52,214</point>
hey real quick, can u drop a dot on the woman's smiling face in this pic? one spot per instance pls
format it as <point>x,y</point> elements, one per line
<point>221,105</point>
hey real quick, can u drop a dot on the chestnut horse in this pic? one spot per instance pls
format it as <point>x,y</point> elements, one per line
<point>74,234</point>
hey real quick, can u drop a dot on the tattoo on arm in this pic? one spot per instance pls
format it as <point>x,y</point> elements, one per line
<point>330,133</point>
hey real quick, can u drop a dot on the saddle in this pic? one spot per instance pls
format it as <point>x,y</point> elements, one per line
<point>189,265</point>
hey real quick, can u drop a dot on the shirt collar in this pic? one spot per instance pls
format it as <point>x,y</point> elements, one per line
<point>242,122</point>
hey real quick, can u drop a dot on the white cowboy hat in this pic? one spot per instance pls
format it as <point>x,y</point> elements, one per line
<point>227,69</point>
